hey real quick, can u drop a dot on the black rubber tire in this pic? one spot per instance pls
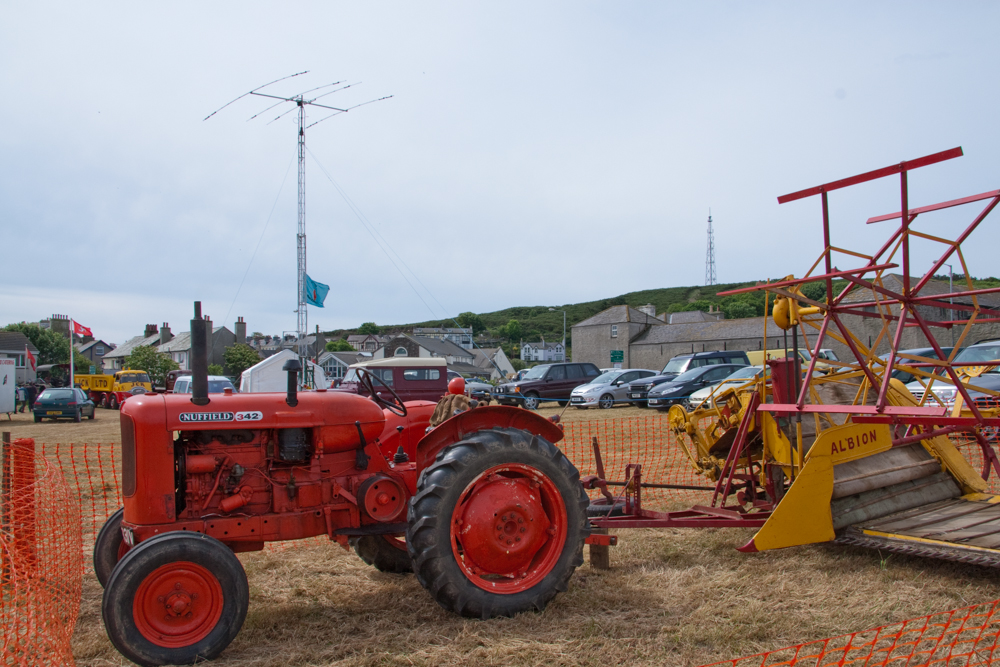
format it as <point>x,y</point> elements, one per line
<point>37,419</point>
<point>563,404</point>
<point>146,557</point>
<point>597,510</point>
<point>441,486</point>
<point>113,403</point>
<point>606,402</point>
<point>78,416</point>
<point>530,401</point>
<point>376,551</point>
<point>92,414</point>
<point>107,546</point>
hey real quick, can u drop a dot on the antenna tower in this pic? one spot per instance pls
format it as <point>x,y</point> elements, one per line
<point>300,102</point>
<point>710,254</point>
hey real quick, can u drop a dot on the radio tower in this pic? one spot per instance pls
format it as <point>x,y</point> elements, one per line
<point>710,254</point>
<point>300,102</point>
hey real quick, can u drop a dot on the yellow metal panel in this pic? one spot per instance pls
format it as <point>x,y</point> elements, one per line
<point>803,516</point>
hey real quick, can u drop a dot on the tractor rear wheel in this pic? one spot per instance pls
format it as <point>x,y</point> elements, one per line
<point>175,599</point>
<point>498,524</point>
<point>109,547</point>
<point>386,553</point>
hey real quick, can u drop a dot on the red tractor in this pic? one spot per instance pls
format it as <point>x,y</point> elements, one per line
<point>493,514</point>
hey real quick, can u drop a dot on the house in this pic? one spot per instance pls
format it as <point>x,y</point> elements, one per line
<point>95,351</point>
<point>12,346</point>
<point>493,361</point>
<point>543,351</point>
<point>335,364</point>
<point>115,359</point>
<point>406,345</point>
<point>178,348</point>
<point>457,335</point>
<point>367,342</point>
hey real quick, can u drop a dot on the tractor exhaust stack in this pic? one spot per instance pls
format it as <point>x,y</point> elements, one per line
<point>199,358</point>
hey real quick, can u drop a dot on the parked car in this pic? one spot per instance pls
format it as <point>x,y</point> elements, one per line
<point>479,390</point>
<point>217,384</point>
<point>741,376</point>
<point>607,388</point>
<point>412,378</point>
<point>545,382</point>
<point>171,378</point>
<point>639,389</point>
<point>677,389</point>
<point>905,376</point>
<point>984,353</point>
<point>58,403</point>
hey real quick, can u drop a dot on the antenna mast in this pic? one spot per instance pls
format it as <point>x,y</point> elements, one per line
<point>301,102</point>
<point>710,253</point>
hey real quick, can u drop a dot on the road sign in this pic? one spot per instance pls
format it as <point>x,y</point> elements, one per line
<point>93,370</point>
<point>617,356</point>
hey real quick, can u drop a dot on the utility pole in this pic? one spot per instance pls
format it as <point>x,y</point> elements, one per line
<point>710,254</point>
<point>300,102</point>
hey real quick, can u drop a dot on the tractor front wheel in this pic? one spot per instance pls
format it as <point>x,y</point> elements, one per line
<point>109,547</point>
<point>386,553</point>
<point>498,524</point>
<point>175,599</point>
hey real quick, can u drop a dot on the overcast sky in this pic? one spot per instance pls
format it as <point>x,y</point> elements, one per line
<point>531,154</point>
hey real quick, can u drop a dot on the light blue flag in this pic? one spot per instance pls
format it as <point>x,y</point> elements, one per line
<point>315,292</point>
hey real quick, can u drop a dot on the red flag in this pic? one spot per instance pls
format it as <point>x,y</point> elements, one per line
<point>31,357</point>
<point>81,330</point>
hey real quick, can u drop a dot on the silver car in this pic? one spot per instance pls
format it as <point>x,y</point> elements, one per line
<point>607,388</point>
<point>740,377</point>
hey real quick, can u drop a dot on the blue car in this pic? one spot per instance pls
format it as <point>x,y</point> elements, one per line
<point>63,403</point>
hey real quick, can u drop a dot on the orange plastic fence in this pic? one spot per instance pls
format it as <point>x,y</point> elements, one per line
<point>40,559</point>
<point>960,637</point>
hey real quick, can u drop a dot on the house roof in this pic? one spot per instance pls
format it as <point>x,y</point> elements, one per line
<point>83,347</point>
<point>749,327</point>
<point>618,315</point>
<point>15,341</point>
<point>346,358</point>
<point>182,341</point>
<point>482,356</point>
<point>692,316</point>
<point>467,369</point>
<point>543,345</point>
<point>126,348</point>
<point>894,283</point>
<point>439,346</point>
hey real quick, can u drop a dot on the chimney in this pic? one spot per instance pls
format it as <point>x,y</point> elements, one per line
<point>165,335</point>
<point>241,331</point>
<point>151,330</point>
<point>208,338</point>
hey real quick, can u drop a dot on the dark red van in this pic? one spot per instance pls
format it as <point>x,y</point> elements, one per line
<point>412,378</point>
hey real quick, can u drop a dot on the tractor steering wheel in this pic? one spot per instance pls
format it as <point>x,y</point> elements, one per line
<point>368,380</point>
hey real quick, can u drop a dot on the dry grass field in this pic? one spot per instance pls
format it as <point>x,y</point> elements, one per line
<point>672,597</point>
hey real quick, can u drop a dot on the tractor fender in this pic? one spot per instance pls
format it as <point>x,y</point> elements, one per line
<point>481,419</point>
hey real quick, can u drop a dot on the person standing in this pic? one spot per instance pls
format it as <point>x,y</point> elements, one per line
<point>21,398</point>
<point>32,392</point>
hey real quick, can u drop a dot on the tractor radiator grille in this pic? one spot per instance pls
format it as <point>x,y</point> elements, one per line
<point>128,456</point>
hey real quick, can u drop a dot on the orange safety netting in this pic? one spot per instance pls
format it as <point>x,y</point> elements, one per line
<point>644,440</point>
<point>961,637</point>
<point>40,559</point>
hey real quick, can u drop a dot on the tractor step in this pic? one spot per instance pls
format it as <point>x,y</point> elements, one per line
<point>965,530</point>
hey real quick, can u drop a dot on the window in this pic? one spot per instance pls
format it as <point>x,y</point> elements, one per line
<point>99,350</point>
<point>574,372</point>
<point>591,371</point>
<point>414,374</point>
<point>614,331</point>
<point>400,352</point>
<point>385,374</point>
<point>556,373</point>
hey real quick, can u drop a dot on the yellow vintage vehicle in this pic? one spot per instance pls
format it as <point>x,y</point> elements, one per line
<point>110,391</point>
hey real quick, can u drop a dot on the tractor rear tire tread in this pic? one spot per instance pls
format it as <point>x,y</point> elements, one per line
<point>377,552</point>
<point>439,488</point>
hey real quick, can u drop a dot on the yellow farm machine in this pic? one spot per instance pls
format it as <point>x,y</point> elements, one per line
<point>852,455</point>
